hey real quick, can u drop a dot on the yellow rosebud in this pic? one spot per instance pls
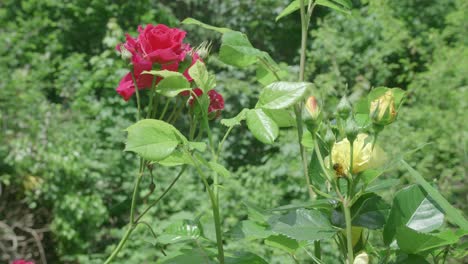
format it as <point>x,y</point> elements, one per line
<point>313,107</point>
<point>364,155</point>
<point>383,110</point>
<point>31,182</point>
<point>362,258</point>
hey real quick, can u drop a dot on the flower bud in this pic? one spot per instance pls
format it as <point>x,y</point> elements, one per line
<point>313,107</point>
<point>203,50</point>
<point>329,137</point>
<point>351,130</point>
<point>362,258</point>
<point>344,108</point>
<point>382,110</point>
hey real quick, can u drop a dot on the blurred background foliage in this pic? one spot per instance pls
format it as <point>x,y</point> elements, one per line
<point>65,183</point>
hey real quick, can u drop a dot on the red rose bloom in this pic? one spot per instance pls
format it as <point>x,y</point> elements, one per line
<point>157,44</point>
<point>154,44</point>
<point>22,261</point>
<point>126,86</point>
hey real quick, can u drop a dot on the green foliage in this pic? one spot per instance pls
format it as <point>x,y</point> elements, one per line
<point>413,208</point>
<point>62,122</point>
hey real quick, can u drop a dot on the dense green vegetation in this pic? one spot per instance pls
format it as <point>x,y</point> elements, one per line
<point>63,174</point>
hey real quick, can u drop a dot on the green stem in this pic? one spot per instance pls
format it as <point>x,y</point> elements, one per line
<point>120,245</point>
<point>137,92</point>
<point>132,216</point>
<point>320,159</point>
<point>220,145</point>
<point>351,154</point>
<point>162,195</point>
<point>349,238</point>
<point>317,251</point>
<point>166,106</point>
<point>215,208</point>
<point>298,107</point>
<point>149,113</point>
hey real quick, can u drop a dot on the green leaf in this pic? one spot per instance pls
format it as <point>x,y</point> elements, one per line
<point>208,226</point>
<point>307,140</point>
<point>410,259</point>
<point>369,176</point>
<point>250,230</point>
<point>235,121</point>
<point>219,169</point>
<point>335,5</point>
<point>411,241</point>
<point>180,231</point>
<point>177,158</point>
<point>257,214</point>
<point>382,185</point>
<point>195,255</point>
<point>412,207</point>
<point>199,146</point>
<point>236,50</point>
<point>173,85</point>
<point>280,95</point>
<point>244,258</point>
<point>284,243</point>
<point>164,73</point>
<point>192,21</point>
<point>369,211</point>
<point>291,8</point>
<point>317,204</point>
<point>338,5</point>
<point>453,215</point>
<point>269,71</point>
<point>153,139</point>
<point>202,77</point>
<point>303,224</point>
<point>262,126</point>
<point>282,117</point>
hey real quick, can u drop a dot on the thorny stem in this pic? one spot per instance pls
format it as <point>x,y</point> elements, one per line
<point>132,215</point>
<point>298,107</point>
<point>137,92</point>
<point>215,208</point>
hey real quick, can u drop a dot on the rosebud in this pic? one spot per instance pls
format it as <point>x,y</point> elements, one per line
<point>203,50</point>
<point>344,108</point>
<point>351,130</point>
<point>124,53</point>
<point>313,107</point>
<point>382,110</point>
<point>362,258</point>
<point>329,137</point>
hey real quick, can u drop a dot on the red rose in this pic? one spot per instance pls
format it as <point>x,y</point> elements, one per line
<point>126,86</point>
<point>216,102</point>
<point>22,261</point>
<point>157,44</point>
<point>154,44</point>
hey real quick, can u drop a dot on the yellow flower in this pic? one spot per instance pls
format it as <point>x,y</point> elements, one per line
<point>364,156</point>
<point>383,109</point>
